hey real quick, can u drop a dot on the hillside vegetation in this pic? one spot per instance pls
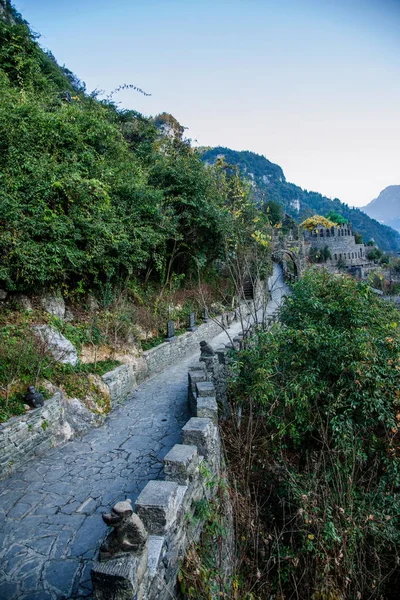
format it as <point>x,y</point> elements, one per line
<point>92,194</point>
<point>269,183</point>
<point>99,202</point>
<point>314,456</point>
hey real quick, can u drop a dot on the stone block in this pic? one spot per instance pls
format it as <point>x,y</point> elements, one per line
<point>205,388</point>
<point>207,407</point>
<point>119,578</point>
<point>154,546</point>
<point>157,505</point>
<point>200,432</point>
<point>196,376</point>
<point>222,355</point>
<point>237,342</point>
<point>181,464</point>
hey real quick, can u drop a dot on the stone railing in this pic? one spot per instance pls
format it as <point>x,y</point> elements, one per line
<point>165,519</point>
<point>124,378</point>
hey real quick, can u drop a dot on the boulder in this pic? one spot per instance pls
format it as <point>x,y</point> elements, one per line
<point>77,418</point>
<point>3,294</point>
<point>57,345</point>
<point>54,305</point>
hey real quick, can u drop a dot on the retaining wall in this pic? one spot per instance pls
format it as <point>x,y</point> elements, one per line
<point>29,435</point>
<point>167,508</point>
<point>169,353</point>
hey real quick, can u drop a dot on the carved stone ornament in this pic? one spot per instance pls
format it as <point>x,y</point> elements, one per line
<point>128,534</point>
<point>206,350</point>
<point>33,398</point>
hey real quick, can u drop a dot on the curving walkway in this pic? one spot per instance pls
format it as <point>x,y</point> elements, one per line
<point>50,509</point>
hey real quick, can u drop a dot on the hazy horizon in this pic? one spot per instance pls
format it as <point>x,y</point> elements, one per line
<point>314,88</point>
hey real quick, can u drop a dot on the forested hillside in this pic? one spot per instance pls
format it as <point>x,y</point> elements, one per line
<point>269,183</point>
<point>91,194</point>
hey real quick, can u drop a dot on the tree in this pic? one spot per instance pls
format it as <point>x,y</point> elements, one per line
<point>336,218</point>
<point>274,212</point>
<point>374,254</point>
<point>316,221</point>
<point>358,238</point>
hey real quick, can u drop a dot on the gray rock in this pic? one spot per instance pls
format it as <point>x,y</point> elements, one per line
<point>57,345</point>
<point>118,578</point>
<point>92,303</point>
<point>3,294</point>
<point>23,301</point>
<point>54,305</point>
<point>68,317</point>
<point>78,417</point>
<point>157,505</point>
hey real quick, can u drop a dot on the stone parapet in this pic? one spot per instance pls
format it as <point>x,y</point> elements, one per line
<point>169,353</point>
<point>167,507</point>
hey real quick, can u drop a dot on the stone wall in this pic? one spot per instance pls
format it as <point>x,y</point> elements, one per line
<point>29,435</point>
<point>122,380</point>
<point>341,243</point>
<point>167,508</point>
<point>169,353</point>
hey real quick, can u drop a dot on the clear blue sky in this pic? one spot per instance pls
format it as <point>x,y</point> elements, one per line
<point>314,85</point>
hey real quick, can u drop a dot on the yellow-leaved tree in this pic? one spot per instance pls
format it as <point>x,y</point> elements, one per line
<point>317,221</point>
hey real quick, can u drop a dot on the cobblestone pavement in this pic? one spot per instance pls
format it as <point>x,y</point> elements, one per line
<point>50,509</point>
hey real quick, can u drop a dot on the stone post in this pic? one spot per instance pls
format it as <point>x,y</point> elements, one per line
<point>192,322</point>
<point>171,337</point>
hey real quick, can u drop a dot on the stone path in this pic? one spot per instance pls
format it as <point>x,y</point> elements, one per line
<point>50,509</point>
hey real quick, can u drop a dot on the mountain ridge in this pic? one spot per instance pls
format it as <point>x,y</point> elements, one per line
<point>268,182</point>
<point>385,208</point>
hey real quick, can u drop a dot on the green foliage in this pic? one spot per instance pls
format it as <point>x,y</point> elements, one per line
<point>274,212</point>
<point>374,254</point>
<point>91,196</point>
<point>385,259</point>
<point>358,238</point>
<point>324,387</point>
<point>317,255</point>
<point>22,363</point>
<point>336,218</point>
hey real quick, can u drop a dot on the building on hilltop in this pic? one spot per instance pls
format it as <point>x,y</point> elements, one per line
<point>339,248</point>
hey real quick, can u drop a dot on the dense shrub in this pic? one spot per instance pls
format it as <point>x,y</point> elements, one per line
<point>320,399</point>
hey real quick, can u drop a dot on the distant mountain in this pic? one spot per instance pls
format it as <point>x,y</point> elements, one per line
<point>386,207</point>
<point>269,183</point>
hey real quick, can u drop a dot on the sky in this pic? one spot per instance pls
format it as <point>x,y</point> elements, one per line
<point>313,85</point>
